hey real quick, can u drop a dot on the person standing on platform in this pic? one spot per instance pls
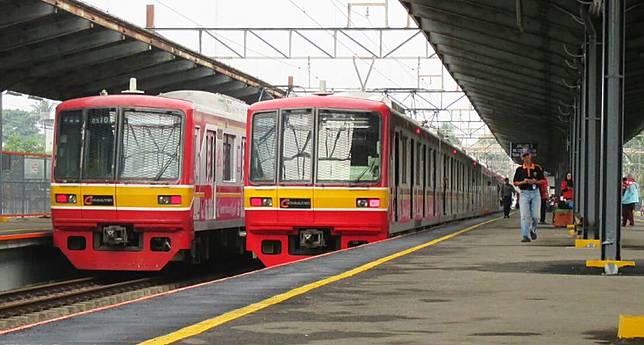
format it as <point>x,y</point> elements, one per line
<point>567,186</point>
<point>543,191</point>
<point>528,177</point>
<point>630,197</point>
<point>507,191</point>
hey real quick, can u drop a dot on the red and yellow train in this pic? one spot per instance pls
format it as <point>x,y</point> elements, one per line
<point>139,181</point>
<point>330,172</point>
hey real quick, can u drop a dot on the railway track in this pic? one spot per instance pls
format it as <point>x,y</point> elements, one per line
<point>39,303</point>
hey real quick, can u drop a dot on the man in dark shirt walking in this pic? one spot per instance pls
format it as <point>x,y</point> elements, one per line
<point>507,191</point>
<point>528,177</point>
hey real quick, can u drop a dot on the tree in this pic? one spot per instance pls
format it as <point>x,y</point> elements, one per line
<point>21,130</point>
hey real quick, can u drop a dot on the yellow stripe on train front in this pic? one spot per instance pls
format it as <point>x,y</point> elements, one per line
<point>332,198</point>
<point>143,196</point>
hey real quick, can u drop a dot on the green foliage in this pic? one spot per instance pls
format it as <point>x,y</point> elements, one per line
<point>21,129</point>
<point>31,144</point>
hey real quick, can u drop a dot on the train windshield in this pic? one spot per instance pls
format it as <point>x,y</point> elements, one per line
<point>68,143</point>
<point>150,145</point>
<point>297,145</point>
<point>145,145</point>
<point>263,147</point>
<point>348,148</point>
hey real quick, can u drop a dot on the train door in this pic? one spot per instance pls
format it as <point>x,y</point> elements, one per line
<point>99,145</point>
<point>198,208</point>
<point>433,171</point>
<point>209,195</point>
<point>228,201</point>
<point>425,201</point>
<point>403,186</point>
<point>445,182</point>
<point>395,192</point>
<point>412,180</point>
<point>296,164</point>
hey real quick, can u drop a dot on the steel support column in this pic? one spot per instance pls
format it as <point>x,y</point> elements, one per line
<point>593,133</point>
<point>580,179</point>
<point>576,159</point>
<point>1,156</point>
<point>612,119</point>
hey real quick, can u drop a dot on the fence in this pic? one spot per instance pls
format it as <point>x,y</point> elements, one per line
<point>25,183</point>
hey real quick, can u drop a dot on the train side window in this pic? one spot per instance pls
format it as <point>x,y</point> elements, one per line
<point>211,140</point>
<point>197,148</point>
<point>403,142</point>
<point>229,159</point>
<point>412,158</point>
<point>397,158</point>
<point>419,164</point>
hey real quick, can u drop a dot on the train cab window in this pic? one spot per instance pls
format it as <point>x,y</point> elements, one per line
<point>68,146</point>
<point>263,147</point>
<point>100,132</point>
<point>297,145</point>
<point>150,145</point>
<point>228,158</point>
<point>348,148</point>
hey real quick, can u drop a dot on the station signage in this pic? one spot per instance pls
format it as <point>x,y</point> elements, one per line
<point>517,148</point>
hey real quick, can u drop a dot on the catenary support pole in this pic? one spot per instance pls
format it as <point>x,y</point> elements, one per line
<point>612,119</point>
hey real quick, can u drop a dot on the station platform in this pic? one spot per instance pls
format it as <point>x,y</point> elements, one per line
<point>21,232</point>
<point>470,282</point>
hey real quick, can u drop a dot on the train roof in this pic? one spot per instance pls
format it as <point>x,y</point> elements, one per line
<point>135,100</point>
<point>212,103</point>
<point>206,102</point>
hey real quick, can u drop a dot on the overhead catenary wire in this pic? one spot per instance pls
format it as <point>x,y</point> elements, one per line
<point>223,38</point>
<point>342,43</point>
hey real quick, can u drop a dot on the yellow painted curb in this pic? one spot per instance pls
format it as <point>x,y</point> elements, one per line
<point>580,243</point>
<point>603,263</point>
<point>630,326</point>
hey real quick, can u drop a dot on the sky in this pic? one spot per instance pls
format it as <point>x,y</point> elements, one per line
<point>400,72</point>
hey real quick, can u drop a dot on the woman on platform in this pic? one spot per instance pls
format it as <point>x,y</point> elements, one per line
<point>567,186</point>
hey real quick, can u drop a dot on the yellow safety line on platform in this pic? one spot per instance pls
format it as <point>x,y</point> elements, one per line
<point>630,327</point>
<point>16,230</point>
<point>208,324</point>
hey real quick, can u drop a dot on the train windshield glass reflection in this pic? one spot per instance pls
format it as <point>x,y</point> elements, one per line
<point>100,132</point>
<point>263,147</point>
<point>150,145</point>
<point>348,146</point>
<point>297,145</point>
<point>68,146</point>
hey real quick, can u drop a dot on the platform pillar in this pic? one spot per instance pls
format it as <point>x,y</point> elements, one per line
<point>1,157</point>
<point>612,119</point>
<point>592,81</point>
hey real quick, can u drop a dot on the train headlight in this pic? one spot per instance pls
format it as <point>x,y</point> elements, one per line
<point>169,199</point>
<point>261,202</point>
<point>66,198</point>
<point>368,202</point>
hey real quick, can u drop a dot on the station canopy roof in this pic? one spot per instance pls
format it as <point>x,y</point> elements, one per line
<point>518,62</point>
<point>61,49</point>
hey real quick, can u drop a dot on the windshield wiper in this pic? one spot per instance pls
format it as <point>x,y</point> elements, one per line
<point>165,167</point>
